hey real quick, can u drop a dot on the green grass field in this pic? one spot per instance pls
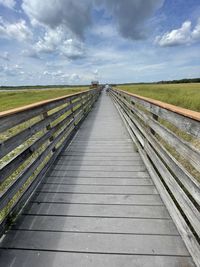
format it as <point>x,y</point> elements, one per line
<point>182,95</point>
<point>9,100</point>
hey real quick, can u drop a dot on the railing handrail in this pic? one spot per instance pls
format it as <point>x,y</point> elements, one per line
<point>38,104</point>
<point>183,123</point>
<point>195,115</point>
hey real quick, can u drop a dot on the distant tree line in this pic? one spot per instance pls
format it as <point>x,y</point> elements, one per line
<point>194,80</point>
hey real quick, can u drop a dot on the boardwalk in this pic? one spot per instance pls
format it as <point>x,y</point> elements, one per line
<point>97,207</point>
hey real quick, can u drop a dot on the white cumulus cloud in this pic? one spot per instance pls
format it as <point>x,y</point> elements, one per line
<point>129,17</point>
<point>50,41</point>
<point>56,41</point>
<point>73,49</point>
<point>18,31</point>
<point>72,15</point>
<point>182,36</point>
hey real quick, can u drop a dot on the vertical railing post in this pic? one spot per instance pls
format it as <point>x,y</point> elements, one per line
<point>83,104</point>
<point>87,99</point>
<point>72,110</point>
<point>155,117</point>
<point>48,128</point>
<point>91,100</point>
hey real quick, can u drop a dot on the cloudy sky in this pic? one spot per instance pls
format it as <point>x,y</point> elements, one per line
<point>76,41</point>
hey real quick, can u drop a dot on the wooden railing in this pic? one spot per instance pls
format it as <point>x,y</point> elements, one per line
<point>31,138</point>
<point>161,133</point>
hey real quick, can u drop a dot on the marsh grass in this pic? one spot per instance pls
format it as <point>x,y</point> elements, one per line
<point>9,100</point>
<point>182,95</point>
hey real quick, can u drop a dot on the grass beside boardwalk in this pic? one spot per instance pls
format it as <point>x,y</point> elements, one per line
<point>182,95</point>
<point>9,100</point>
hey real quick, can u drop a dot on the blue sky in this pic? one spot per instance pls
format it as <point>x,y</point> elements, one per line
<point>75,41</point>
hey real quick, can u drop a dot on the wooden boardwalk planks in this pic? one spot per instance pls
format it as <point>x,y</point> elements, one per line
<point>98,207</point>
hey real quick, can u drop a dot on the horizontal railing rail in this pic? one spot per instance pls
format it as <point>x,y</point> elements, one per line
<point>31,138</point>
<point>168,139</point>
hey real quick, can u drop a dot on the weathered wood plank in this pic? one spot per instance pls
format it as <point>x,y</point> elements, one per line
<point>184,148</point>
<point>62,188</point>
<point>100,158</point>
<point>105,199</point>
<point>102,162</point>
<point>9,193</point>
<point>16,140</point>
<point>99,181</point>
<point>184,119</point>
<point>186,204</point>
<point>97,243</point>
<point>16,258</point>
<point>134,168</point>
<point>93,210</point>
<point>11,118</point>
<point>103,174</point>
<point>184,177</point>
<point>96,225</point>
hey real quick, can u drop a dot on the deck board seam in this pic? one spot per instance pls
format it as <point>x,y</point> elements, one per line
<point>94,216</point>
<point>98,253</point>
<point>98,204</point>
<point>89,232</point>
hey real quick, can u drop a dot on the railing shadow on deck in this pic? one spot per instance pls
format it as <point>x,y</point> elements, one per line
<point>32,137</point>
<point>147,122</point>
